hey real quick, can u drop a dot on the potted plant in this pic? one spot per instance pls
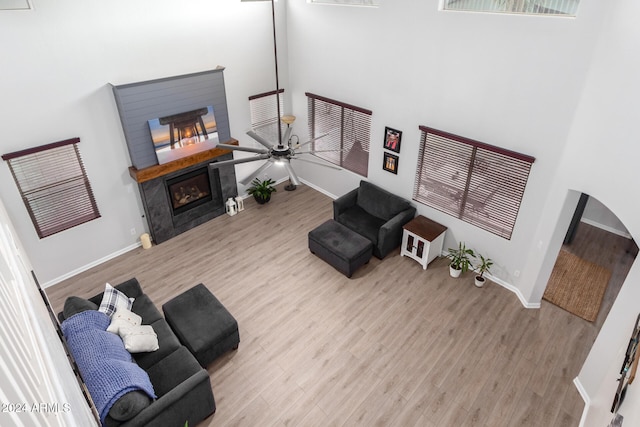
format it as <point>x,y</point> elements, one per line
<point>261,190</point>
<point>483,267</point>
<point>460,259</point>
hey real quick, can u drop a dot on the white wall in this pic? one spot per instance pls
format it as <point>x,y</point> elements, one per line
<point>511,81</point>
<point>598,215</point>
<point>601,160</point>
<point>56,63</point>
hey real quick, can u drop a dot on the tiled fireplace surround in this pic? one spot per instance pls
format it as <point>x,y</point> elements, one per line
<point>153,183</point>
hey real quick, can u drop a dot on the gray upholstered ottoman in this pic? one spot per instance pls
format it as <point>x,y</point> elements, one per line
<point>202,324</point>
<point>342,248</point>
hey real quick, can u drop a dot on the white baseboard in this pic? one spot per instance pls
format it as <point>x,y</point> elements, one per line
<point>607,228</point>
<point>318,189</point>
<point>585,397</point>
<point>515,290</point>
<point>90,265</point>
<point>509,287</point>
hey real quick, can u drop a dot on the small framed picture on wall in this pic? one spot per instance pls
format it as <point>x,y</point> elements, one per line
<point>390,163</point>
<point>392,139</point>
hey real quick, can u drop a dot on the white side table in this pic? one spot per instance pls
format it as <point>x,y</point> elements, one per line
<point>422,240</point>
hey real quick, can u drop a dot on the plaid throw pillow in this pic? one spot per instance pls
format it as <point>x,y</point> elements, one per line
<point>113,299</point>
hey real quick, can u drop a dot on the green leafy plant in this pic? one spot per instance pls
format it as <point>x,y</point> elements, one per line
<point>460,257</point>
<point>484,266</point>
<point>261,190</point>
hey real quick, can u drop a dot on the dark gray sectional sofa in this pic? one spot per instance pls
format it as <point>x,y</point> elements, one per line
<point>182,386</point>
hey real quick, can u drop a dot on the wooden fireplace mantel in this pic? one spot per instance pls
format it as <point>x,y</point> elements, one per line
<point>152,172</point>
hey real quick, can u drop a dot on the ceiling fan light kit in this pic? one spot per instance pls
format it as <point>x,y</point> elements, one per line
<point>283,151</point>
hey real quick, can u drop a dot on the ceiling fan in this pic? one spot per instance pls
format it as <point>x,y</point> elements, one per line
<point>280,152</point>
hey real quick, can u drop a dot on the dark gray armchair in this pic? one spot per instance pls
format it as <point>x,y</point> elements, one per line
<point>375,214</point>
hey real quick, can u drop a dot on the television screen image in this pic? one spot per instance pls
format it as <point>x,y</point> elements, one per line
<point>183,134</point>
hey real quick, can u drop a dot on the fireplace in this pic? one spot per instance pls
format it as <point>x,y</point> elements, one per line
<point>183,194</point>
<point>189,191</point>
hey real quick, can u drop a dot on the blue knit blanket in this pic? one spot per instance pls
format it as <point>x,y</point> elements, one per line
<point>106,366</point>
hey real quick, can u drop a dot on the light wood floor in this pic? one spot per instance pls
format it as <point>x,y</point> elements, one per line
<point>614,252</point>
<point>393,346</point>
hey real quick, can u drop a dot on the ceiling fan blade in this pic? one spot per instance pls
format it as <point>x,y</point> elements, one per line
<point>321,151</point>
<point>326,165</point>
<point>256,173</point>
<point>248,149</point>
<point>260,139</point>
<point>292,175</point>
<point>238,161</point>
<point>311,140</point>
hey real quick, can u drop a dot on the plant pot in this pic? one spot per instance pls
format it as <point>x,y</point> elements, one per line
<point>480,281</point>
<point>454,272</point>
<point>261,200</point>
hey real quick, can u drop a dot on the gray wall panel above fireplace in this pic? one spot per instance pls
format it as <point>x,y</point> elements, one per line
<point>143,101</point>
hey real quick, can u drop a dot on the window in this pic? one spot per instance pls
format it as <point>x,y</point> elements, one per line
<point>347,131</point>
<point>264,114</point>
<point>15,5</point>
<point>349,2</point>
<point>475,182</point>
<point>530,7</point>
<point>54,186</point>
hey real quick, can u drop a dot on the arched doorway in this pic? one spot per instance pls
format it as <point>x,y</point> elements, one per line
<point>592,263</point>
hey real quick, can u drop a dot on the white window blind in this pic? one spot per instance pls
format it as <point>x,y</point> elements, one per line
<point>475,182</point>
<point>264,114</point>
<point>349,2</point>
<point>530,7</point>
<point>347,129</point>
<point>54,186</point>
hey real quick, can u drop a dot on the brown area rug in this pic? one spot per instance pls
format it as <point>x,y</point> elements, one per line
<point>577,286</point>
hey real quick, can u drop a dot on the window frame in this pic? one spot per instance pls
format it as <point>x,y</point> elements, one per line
<point>16,5</point>
<point>54,186</point>
<point>518,7</point>
<point>464,184</point>
<point>338,142</point>
<point>266,104</point>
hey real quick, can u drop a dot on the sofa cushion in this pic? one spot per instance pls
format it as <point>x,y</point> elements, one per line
<point>175,368</point>
<point>360,221</point>
<point>129,405</point>
<point>380,203</point>
<point>112,299</point>
<point>75,305</point>
<point>167,343</point>
<point>144,307</point>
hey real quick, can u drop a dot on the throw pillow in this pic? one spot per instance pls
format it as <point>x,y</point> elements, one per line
<point>139,339</point>
<point>112,299</point>
<point>123,318</point>
<point>75,305</point>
